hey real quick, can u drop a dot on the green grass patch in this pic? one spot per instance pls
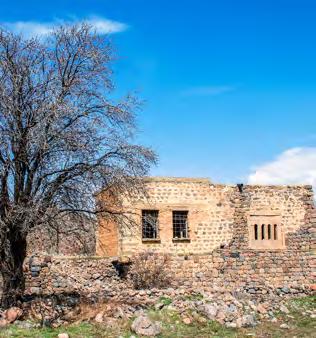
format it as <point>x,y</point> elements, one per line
<point>165,300</point>
<point>303,303</point>
<point>300,326</point>
<point>83,330</point>
<point>193,297</point>
<point>173,326</point>
<point>299,319</point>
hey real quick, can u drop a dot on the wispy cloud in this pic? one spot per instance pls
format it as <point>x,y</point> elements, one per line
<point>207,90</point>
<point>35,28</point>
<point>293,166</point>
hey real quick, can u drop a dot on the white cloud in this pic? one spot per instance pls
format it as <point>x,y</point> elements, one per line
<point>207,90</point>
<point>34,28</point>
<point>293,166</point>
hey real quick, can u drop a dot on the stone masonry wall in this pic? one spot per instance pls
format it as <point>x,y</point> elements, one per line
<point>218,215</point>
<point>218,255</point>
<point>250,270</point>
<point>294,206</point>
<point>47,275</point>
<point>210,217</point>
<point>229,269</point>
<point>247,270</point>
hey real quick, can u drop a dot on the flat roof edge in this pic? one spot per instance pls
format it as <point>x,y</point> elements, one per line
<point>177,179</point>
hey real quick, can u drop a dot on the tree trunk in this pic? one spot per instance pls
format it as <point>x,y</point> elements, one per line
<point>13,254</point>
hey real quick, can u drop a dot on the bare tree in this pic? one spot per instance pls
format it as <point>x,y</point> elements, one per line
<point>62,137</point>
<point>55,238</point>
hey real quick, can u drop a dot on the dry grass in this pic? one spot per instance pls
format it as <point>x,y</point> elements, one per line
<point>150,270</point>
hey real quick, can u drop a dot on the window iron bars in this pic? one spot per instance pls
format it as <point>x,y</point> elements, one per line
<point>266,232</point>
<point>180,224</point>
<point>149,224</point>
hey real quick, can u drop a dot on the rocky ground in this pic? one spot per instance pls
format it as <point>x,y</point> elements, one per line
<point>168,313</point>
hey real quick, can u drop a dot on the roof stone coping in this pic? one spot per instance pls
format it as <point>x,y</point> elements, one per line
<point>177,179</point>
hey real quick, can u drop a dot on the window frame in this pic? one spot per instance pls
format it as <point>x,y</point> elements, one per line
<point>180,212</point>
<point>265,232</point>
<point>155,228</point>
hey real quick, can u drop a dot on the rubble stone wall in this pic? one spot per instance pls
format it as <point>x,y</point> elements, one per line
<point>248,270</point>
<point>47,275</point>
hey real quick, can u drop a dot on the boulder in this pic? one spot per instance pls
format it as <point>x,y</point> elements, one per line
<point>3,323</point>
<point>63,335</point>
<point>99,317</point>
<point>246,321</point>
<point>285,289</point>
<point>284,309</point>
<point>209,310</point>
<point>26,324</point>
<point>143,326</point>
<point>261,309</point>
<point>313,287</point>
<point>119,313</point>
<point>231,325</point>
<point>231,308</point>
<point>12,314</point>
<point>187,320</point>
<point>221,316</point>
<point>110,322</point>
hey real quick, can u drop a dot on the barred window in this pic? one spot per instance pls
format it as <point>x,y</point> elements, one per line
<point>180,224</point>
<point>266,232</point>
<point>149,224</point>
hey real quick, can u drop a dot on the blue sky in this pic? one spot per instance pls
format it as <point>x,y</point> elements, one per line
<point>230,86</point>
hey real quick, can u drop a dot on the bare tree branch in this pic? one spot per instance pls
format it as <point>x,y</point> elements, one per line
<point>62,137</point>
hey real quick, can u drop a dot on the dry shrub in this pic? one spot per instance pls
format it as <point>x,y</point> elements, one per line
<point>150,269</point>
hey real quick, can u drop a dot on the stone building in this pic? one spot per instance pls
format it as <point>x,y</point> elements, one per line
<point>225,238</point>
<point>194,216</point>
